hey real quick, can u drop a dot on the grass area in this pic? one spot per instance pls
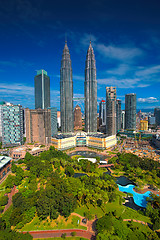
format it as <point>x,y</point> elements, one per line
<point>59,223</point>
<point>124,212</point>
<point>141,227</point>
<point>68,238</point>
<point>93,210</point>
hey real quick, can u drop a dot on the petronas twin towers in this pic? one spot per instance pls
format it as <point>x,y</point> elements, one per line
<point>66,92</point>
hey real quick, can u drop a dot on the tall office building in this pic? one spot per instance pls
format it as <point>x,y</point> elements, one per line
<point>12,125</point>
<point>130,111</point>
<point>66,92</point>
<point>1,104</point>
<point>54,124</point>
<point>110,111</point>
<point>42,90</point>
<point>90,88</point>
<point>118,115</point>
<point>38,126</point>
<point>157,116</point>
<point>77,118</point>
<point>102,113</point>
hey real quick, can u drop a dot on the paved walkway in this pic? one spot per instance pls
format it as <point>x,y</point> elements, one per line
<point>10,195</point>
<point>58,233</point>
<point>134,220</point>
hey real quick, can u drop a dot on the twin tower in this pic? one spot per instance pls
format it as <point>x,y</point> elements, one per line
<point>66,92</point>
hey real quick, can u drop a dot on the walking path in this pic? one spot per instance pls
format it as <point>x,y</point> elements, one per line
<point>58,233</point>
<point>10,195</point>
<point>134,220</point>
<point>146,190</point>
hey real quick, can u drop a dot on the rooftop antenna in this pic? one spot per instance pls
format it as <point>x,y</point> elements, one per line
<point>90,38</point>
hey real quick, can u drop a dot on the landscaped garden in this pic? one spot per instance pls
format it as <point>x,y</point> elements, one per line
<point>48,193</point>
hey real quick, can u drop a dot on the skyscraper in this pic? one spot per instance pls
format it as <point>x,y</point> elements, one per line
<point>130,111</point>
<point>110,111</point>
<point>38,125</point>
<point>12,124</point>
<point>66,92</point>
<point>42,90</point>
<point>157,116</point>
<point>90,88</point>
<point>102,112</point>
<point>77,118</point>
<point>118,115</point>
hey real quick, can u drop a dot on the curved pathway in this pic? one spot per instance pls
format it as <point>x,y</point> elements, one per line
<point>10,195</point>
<point>146,190</point>
<point>58,233</point>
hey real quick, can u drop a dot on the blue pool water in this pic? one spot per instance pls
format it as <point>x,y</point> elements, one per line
<point>139,199</point>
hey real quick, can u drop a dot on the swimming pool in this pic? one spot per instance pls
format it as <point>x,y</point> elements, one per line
<point>139,199</point>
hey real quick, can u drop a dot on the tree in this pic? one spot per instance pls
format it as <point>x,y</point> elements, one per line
<point>69,171</point>
<point>3,200</point>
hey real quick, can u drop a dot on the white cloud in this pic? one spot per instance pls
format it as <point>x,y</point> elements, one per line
<point>119,53</point>
<point>146,71</point>
<point>119,83</point>
<point>148,100</point>
<point>16,89</point>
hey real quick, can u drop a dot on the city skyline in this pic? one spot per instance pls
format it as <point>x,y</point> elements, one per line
<point>125,38</point>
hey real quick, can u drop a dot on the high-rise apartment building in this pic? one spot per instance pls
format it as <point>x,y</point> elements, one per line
<point>130,111</point>
<point>110,111</point>
<point>90,91</point>
<point>42,90</point>
<point>66,92</point>
<point>12,124</point>
<point>157,116</point>
<point>102,113</point>
<point>77,118</point>
<point>118,115</point>
<point>38,126</point>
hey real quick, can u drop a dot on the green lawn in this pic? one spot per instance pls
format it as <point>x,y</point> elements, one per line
<point>60,223</point>
<point>124,212</point>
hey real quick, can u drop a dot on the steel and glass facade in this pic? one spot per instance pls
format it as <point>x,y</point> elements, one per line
<point>42,90</point>
<point>102,113</point>
<point>53,121</point>
<point>130,111</point>
<point>90,91</point>
<point>66,92</point>
<point>12,125</point>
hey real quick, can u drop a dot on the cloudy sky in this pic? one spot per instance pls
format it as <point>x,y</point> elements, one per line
<point>125,36</point>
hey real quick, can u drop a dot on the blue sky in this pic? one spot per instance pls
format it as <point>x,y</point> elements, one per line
<point>125,36</point>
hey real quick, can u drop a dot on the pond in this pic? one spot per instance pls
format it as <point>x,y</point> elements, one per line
<point>77,175</point>
<point>88,154</point>
<point>122,180</point>
<point>139,199</point>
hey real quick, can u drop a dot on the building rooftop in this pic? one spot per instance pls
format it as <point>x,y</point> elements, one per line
<point>4,160</point>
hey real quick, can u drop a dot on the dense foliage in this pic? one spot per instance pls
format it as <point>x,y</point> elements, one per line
<point>111,227</point>
<point>153,210</point>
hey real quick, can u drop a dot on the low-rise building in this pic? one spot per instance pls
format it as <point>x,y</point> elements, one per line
<point>5,166</point>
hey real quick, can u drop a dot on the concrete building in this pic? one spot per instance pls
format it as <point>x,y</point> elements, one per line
<point>5,166</point>
<point>66,92</point>
<point>12,125</point>
<point>38,126</point>
<point>98,141</point>
<point>130,111</point>
<point>110,111</point>
<point>157,116</point>
<point>77,118</point>
<point>143,125</point>
<point>123,119</point>
<point>102,113</point>
<point>90,92</point>
<point>118,115</point>
<point>42,90</point>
